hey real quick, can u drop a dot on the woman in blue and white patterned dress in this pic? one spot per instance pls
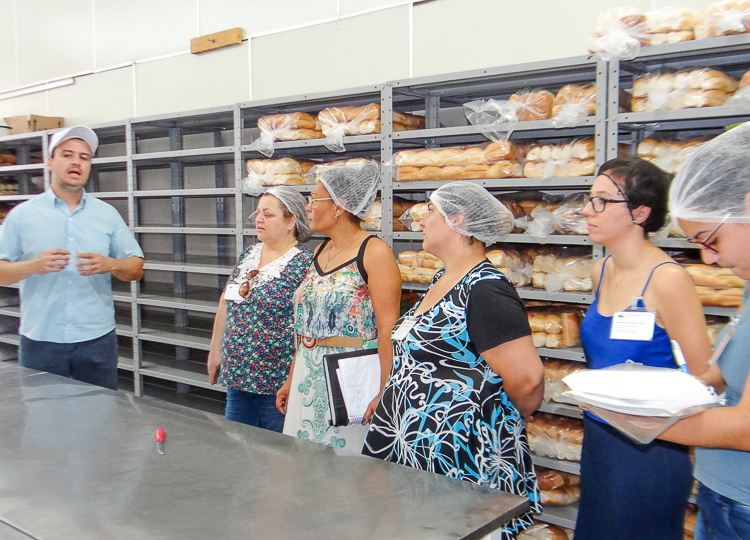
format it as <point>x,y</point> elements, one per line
<point>465,371</point>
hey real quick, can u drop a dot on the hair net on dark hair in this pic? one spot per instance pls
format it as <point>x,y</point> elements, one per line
<point>295,203</point>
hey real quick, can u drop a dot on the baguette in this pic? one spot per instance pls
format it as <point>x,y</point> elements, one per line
<point>714,276</point>
<point>297,120</point>
<point>720,297</point>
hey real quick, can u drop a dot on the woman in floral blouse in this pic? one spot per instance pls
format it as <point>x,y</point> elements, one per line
<point>252,344</point>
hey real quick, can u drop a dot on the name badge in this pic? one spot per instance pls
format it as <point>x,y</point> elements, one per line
<point>232,293</point>
<point>404,328</point>
<point>633,325</point>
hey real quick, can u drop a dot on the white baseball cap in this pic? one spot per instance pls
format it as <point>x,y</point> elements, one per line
<point>86,134</point>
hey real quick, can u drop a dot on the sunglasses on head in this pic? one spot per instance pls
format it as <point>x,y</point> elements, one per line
<point>245,285</point>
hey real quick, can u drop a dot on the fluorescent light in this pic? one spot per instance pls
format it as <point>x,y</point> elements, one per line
<point>37,88</point>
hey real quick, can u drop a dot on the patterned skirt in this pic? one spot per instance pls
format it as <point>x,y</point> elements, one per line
<point>307,413</point>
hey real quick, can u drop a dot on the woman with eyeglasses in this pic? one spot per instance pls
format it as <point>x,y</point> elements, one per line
<point>710,197</point>
<point>252,344</point>
<point>349,300</point>
<point>643,299</point>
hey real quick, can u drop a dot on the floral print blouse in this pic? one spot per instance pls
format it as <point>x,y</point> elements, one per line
<point>258,343</point>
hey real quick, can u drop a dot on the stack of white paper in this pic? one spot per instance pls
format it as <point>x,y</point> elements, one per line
<point>359,378</point>
<point>640,401</point>
<point>640,390</point>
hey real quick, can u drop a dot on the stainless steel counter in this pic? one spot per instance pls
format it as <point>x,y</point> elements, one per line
<point>79,462</point>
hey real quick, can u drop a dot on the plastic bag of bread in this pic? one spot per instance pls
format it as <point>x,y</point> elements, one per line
<point>417,275</point>
<point>495,119</point>
<point>533,104</point>
<point>561,496</point>
<point>741,98</point>
<point>572,104</point>
<point>572,159</point>
<point>285,127</point>
<point>557,274</point>
<point>555,436</point>
<point>568,215</point>
<point>723,19</point>
<point>274,172</point>
<point>668,155</point>
<point>419,259</point>
<point>374,222</point>
<point>664,90</point>
<point>714,276</point>
<point>619,33</point>
<point>554,372</point>
<point>337,122</point>
<point>413,216</point>
<point>510,263</point>
<point>730,297</point>
<point>670,25</point>
<point>543,531</point>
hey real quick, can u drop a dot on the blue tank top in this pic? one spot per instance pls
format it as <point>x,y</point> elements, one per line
<point>601,351</point>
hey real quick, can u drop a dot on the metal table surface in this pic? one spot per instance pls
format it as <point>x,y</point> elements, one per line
<point>80,462</point>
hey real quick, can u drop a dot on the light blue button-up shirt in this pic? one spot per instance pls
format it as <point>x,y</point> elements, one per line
<point>65,307</point>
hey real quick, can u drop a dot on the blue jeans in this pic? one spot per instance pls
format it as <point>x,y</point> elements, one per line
<point>93,361</point>
<point>257,410</point>
<point>721,518</point>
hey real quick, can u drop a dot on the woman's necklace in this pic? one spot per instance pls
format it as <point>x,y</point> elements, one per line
<point>325,266</point>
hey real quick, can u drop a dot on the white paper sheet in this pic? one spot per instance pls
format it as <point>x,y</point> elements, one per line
<point>359,378</point>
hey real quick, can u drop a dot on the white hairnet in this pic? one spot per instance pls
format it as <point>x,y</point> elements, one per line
<point>715,180</point>
<point>484,217</point>
<point>295,203</point>
<point>353,187</point>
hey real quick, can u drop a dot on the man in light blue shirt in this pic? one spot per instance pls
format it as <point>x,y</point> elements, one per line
<point>63,246</point>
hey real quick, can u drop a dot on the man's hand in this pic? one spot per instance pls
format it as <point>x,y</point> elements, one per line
<point>93,263</point>
<point>52,260</point>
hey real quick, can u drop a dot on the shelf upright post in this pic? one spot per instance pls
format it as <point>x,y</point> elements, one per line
<point>386,163</point>
<point>220,181</point>
<point>239,126</point>
<point>601,134</point>
<point>135,286</point>
<point>45,155</point>
<point>179,245</point>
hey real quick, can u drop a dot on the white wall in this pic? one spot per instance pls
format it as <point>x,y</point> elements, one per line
<point>131,58</point>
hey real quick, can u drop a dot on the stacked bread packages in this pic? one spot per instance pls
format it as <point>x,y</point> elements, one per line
<point>284,127</point>
<point>662,90</point>
<point>717,286</point>
<point>274,172</point>
<point>8,187</point>
<point>7,158</point>
<point>337,122</point>
<point>374,222</point>
<point>573,103</point>
<point>723,19</point>
<point>668,155</point>
<point>532,104</point>
<point>490,160</point>
<point>619,33</point>
<point>555,436</point>
<point>572,159</point>
<point>4,209</point>
<point>555,328</point>
<point>545,531</point>
<point>554,372</point>
<point>513,264</point>
<point>558,488</point>
<point>556,272</point>
<point>546,217</point>
<point>418,266</point>
<point>670,25</point>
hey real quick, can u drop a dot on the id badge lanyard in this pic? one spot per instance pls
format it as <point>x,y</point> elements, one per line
<point>404,328</point>
<point>635,323</point>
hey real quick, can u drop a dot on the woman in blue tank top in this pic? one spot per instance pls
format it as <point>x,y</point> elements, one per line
<point>631,491</point>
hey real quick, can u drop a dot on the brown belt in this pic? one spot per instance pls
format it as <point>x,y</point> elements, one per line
<point>333,341</point>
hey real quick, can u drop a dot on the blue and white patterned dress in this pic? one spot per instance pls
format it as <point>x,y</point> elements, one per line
<point>444,410</point>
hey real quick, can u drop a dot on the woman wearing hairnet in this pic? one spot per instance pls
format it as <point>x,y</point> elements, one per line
<point>349,300</point>
<point>252,343</point>
<point>465,372</point>
<point>710,197</point>
<point>628,490</point>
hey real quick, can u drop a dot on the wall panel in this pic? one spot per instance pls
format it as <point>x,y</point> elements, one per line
<point>256,16</point>
<point>138,29</point>
<point>102,97</point>
<point>8,65</point>
<point>55,39</point>
<point>188,82</point>
<point>369,49</point>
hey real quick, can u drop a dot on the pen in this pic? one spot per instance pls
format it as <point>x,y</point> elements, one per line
<point>679,358</point>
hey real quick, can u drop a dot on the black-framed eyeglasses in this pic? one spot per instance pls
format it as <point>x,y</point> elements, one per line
<point>600,203</point>
<point>245,285</point>
<point>707,244</point>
